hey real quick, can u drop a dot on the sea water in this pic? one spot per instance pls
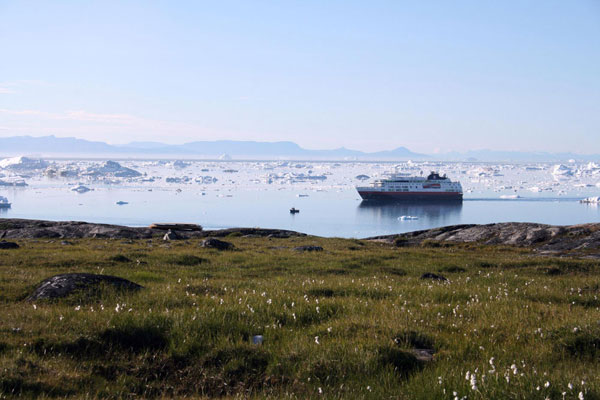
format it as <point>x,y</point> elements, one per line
<point>260,194</point>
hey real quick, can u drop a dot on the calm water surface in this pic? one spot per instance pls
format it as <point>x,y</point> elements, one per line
<point>328,213</point>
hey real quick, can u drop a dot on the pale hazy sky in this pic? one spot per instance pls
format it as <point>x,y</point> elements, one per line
<point>367,75</point>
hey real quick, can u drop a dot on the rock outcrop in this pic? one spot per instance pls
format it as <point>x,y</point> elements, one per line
<point>64,285</point>
<point>34,229</point>
<point>538,236</point>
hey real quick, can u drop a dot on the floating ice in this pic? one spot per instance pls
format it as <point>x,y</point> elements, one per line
<point>112,168</point>
<point>13,182</point>
<point>81,189</point>
<point>591,200</point>
<point>22,163</point>
<point>561,170</point>
<point>4,202</point>
<point>407,218</point>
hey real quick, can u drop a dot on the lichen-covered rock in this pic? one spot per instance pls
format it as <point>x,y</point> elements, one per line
<point>64,285</point>
<point>308,248</point>
<point>538,236</point>
<point>213,243</point>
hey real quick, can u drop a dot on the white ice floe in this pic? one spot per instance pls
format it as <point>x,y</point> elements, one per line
<point>81,189</point>
<point>22,163</point>
<point>407,218</point>
<point>591,200</point>
<point>13,182</point>
<point>4,202</point>
<point>510,196</point>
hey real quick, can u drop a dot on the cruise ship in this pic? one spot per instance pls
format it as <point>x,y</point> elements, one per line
<point>399,187</point>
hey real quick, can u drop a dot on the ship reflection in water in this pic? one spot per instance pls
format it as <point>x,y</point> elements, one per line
<point>410,216</point>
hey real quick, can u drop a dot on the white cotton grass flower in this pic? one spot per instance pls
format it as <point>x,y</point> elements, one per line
<point>473,382</point>
<point>317,340</point>
<point>547,384</point>
<point>580,397</point>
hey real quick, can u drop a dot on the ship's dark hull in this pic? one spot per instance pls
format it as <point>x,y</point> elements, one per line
<point>411,196</point>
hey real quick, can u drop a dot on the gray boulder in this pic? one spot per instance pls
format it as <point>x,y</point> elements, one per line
<point>64,285</point>
<point>8,245</point>
<point>213,243</point>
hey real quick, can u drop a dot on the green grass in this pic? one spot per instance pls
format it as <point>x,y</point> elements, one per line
<point>341,323</point>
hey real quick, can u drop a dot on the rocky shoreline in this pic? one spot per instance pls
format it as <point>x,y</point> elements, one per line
<point>540,237</point>
<point>34,229</point>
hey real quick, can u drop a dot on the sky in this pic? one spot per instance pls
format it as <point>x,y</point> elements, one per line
<point>433,76</point>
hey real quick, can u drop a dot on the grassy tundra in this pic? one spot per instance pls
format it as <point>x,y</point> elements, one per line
<point>345,322</point>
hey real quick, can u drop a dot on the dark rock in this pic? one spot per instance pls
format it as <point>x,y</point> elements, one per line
<point>13,228</point>
<point>254,232</point>
<point>431,275</point>
<point>278,235</point>
<point>213,243</point>
<point>172,235</point>
<point>64,285</point>
<point>120,258</point>
<point>308,248</point>
<point>66,243</point>
<point>8,245</point>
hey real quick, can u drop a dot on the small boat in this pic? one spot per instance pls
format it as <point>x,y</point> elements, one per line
<point>121,202</point>
<point>294,210</point>
<point>4,202</point>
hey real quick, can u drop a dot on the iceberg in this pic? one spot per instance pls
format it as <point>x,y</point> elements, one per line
<point>112,168</point>
<point>591,200</point>
<point>561,170</point>
<point>22,163</point>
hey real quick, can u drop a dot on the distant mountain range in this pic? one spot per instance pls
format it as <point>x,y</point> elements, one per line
<point>51,145</point>
<point>73,147</point>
